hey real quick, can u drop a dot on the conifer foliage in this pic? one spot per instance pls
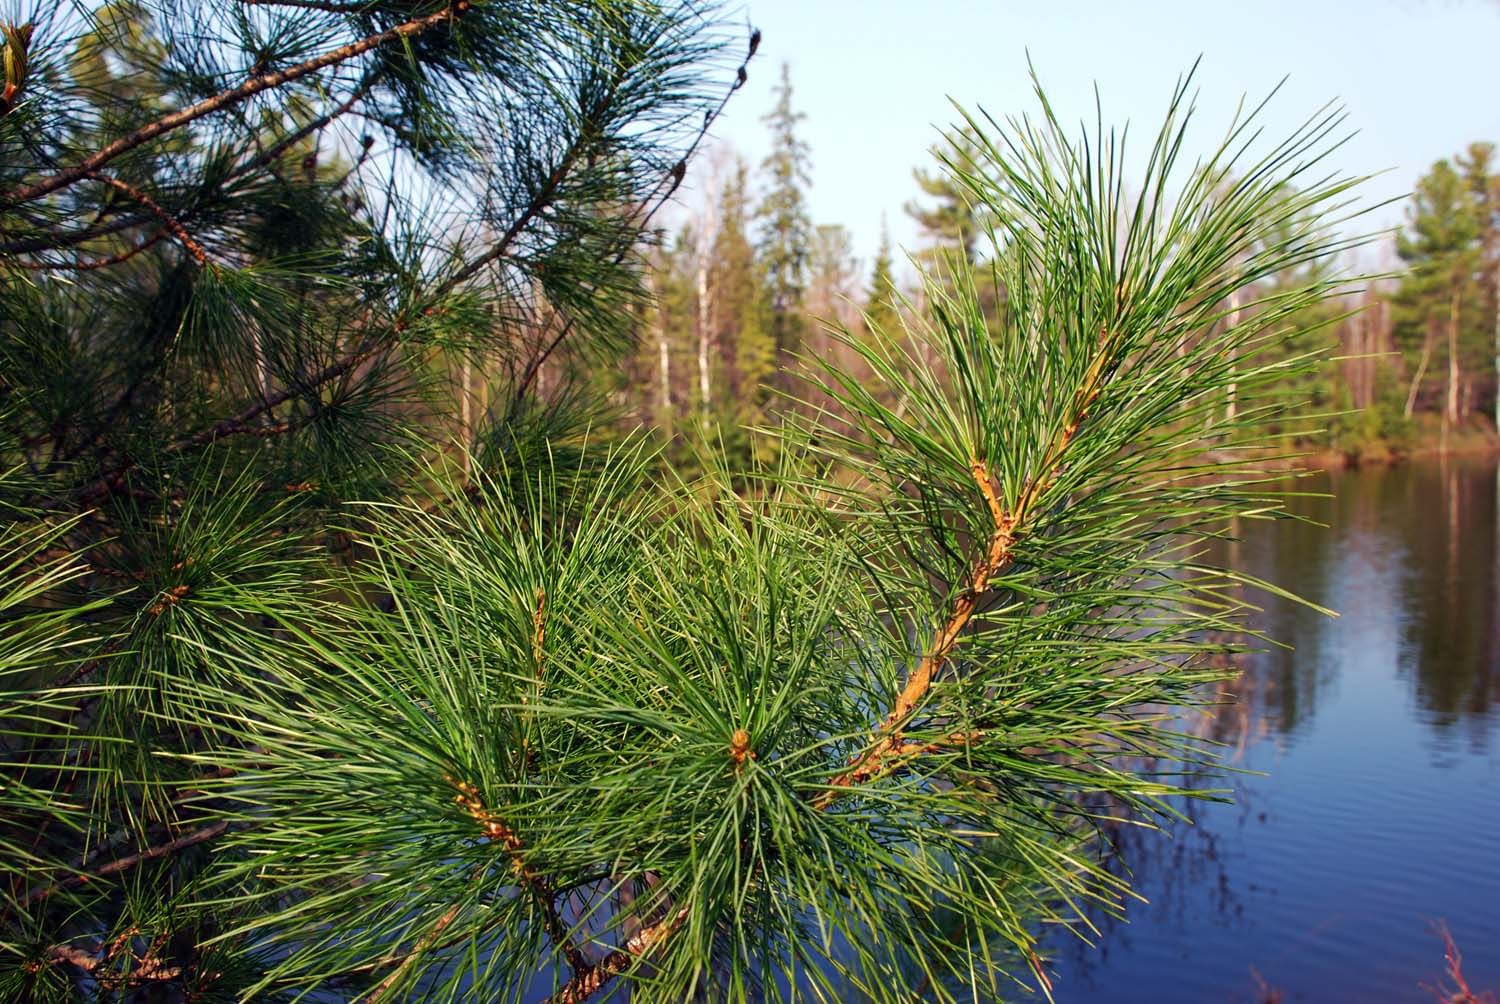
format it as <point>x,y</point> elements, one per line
<point>298,704</point>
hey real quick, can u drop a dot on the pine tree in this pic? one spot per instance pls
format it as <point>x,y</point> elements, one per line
<point>786,229</point>
<point>1478,166</point>
<point>552,722</point>
<point>1437,304</point>
<point>244,251</point>
<point>745,333</point>
<point>952,223</point>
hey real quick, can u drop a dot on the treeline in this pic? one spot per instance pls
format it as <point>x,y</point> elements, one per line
<point>749,282</point>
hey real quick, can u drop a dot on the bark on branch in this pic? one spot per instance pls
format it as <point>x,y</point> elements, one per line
<point>996,558</point>
<point>129,861</point>
<point>591,979</point>
<point>255,85</point>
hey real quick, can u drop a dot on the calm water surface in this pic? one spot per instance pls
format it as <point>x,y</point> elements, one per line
<point>1379,732</point>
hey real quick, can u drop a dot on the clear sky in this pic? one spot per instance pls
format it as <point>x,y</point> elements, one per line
<point>1418,78</point>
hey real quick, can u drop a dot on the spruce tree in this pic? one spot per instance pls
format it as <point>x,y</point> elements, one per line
<point>786,229</point>
<point>745,333</point>
<point>880,297</point>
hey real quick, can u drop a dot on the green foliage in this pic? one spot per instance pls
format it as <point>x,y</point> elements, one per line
<point>952,223</point>
<point>300,703</point>
<point>241,247</point>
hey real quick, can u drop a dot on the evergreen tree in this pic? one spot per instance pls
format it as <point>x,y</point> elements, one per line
<point>1438,305</point>
<point>880,298</point>
<point>786,229</point>
<point>951,222</point>
<point>745,332</point>
<point>1478,166</point>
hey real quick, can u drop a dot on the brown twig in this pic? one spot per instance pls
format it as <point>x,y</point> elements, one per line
<point>329,6</point>
<point>591,979</point>
<point>144,968</point>
<point>541,890</point>
<point>97,263</point>
<point>538,630</point>
<point>255,85</point>
<point>172,223</point>
<point>129,861</point>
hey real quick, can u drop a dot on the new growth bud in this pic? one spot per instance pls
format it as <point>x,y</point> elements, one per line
<point>17,45</point>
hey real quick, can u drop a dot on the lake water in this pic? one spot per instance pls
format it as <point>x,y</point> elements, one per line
<point>1378,814</point>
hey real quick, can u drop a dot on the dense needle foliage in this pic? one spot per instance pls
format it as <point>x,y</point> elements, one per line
<point>300,703</point>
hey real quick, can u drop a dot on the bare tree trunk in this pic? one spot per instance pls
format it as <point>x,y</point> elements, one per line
<point>663,356</point>
<point>466,410</point>
<point>705,311</point>
<point>703,334</point>
<point>1495,307</point>
<point>1451,412</point>
<point>1416,380</point>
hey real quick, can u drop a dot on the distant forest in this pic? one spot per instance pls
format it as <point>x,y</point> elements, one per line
<point>748,283</point>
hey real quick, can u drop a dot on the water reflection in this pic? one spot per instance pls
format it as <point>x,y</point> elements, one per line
<point>1379,811</point>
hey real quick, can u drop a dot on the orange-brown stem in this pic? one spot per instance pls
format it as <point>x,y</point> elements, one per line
<point>997,557</point>
<point>172,223</point>
<point>536,882</point>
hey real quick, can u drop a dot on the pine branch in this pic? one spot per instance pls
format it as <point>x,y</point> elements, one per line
<point>329,6</point>
<point>418,950</point>
<point>97,263</point>
<point>594,978</point>
<point>225,99</point>
<point>653,202</point>
<point>170,222</point>
<point>997,557</point>
<point>535,882</point>
<point>146,968</point>
<point>56,242</point>
<point>129,861</point>
<point>95,230</point>
<point>270,154</point>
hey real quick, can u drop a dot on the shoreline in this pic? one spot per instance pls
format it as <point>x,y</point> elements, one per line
<point>1386,455</point>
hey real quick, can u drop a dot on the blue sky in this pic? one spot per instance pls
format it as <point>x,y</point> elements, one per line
<point>873,78</point>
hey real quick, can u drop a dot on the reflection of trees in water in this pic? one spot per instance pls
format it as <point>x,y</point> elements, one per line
<point>1417,546</point>
<point>1411,558</point>
<point>1451,640</point>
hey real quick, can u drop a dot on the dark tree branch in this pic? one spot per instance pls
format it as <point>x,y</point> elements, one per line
<point>172,223</point>
<point>97,263</point>
<point>250,88</point>
<point>330,6</point>
<point>652,204</point>
<point>129,861</point>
